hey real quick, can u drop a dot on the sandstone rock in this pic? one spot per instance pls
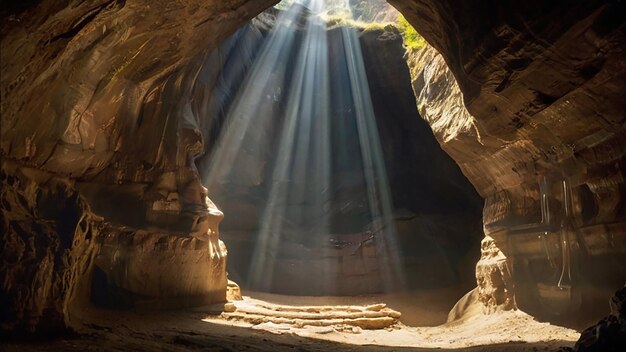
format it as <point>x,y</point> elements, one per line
<point>87,94</point>
<point>495,284</point>
<point>520,172</point>
<point>159,270</point>
<point>49,237</point>
<point>376,316</point>
<point>233,292</point>
<point>93,76</point>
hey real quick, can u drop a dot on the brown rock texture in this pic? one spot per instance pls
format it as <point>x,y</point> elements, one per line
<point>144,269</point>
<point>495,284</point>
<point>48,248</point>
<point>85,90</point>
<point>90,70</point>
<point>542,138</point>
<point>94,92</point>
<point>371,317</point>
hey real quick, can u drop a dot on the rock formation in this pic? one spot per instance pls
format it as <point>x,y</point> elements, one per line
<point>94,93</point>
<point>373,316</point>
<point>542,140</point>
<point>84,89</point>
<point>49,242</point>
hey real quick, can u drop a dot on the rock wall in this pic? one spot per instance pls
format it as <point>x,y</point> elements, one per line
<point>96,71</point>
<point>87,87</point>
<point>553,184</point>
<point>90,95</point>
<point>48,248</point>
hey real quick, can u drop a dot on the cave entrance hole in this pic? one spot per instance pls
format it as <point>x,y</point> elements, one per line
<point>330,181</point>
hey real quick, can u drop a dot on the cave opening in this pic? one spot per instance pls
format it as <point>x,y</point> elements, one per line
<point>330,182</point>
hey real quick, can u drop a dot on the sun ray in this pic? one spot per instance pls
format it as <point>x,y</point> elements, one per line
<point>302,153</point>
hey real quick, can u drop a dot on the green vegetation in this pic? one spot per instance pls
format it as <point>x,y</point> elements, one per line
<point>341,20</point>
<point>412,39</point>
<point>378,26</point>
<point>360,17</point>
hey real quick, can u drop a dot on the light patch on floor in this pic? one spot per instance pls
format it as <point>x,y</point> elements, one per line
<point>378,325</point>
<point>186,330</point>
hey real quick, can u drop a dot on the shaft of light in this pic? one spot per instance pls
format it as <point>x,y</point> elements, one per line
<point>302,169</point>
<point>245,107</point>
<point>378,191</point>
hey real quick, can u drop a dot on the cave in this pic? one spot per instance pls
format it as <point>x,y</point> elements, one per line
<point>313,175</point>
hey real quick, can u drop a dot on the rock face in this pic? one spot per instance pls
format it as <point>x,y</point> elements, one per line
<point>352,318</point>
<point>609,334</point>
<point>542,140</point>
<point>48,244</point>
<point>86,101</point>
<point>93,92</point>
<point>148,269</point>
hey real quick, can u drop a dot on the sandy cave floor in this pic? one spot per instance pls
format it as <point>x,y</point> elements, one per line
<point>198,329</point>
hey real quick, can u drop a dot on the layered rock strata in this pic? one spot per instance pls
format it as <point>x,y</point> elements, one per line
<point>89,97</point>
<point>59,256</point>
<point>49,243</point>
<point>259,313</point>
<point>554,231</point>
<point>87,87</point>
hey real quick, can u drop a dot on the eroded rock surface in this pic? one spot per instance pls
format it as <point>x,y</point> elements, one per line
<point>48,247</point>
<point>58,254</point>
<point>375,316</point>
<point>143,269</point>
<point>90,90</point>
<point>547,157</point>
<point>85,98</point>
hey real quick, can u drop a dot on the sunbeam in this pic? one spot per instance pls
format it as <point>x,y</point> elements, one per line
<point>301,171</point>
<point>289,86</point>
<point>383,231</point>
<point>238,141</point>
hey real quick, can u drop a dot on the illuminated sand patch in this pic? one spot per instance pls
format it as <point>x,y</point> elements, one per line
<point>375,316</point>
<point>376,324</point>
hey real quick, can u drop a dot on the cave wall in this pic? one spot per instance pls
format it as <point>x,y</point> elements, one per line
<point>89,96</point>
<point>92,69</point>
<point>84,89</point>
<point>48,245</point>
<point>542,106</point>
